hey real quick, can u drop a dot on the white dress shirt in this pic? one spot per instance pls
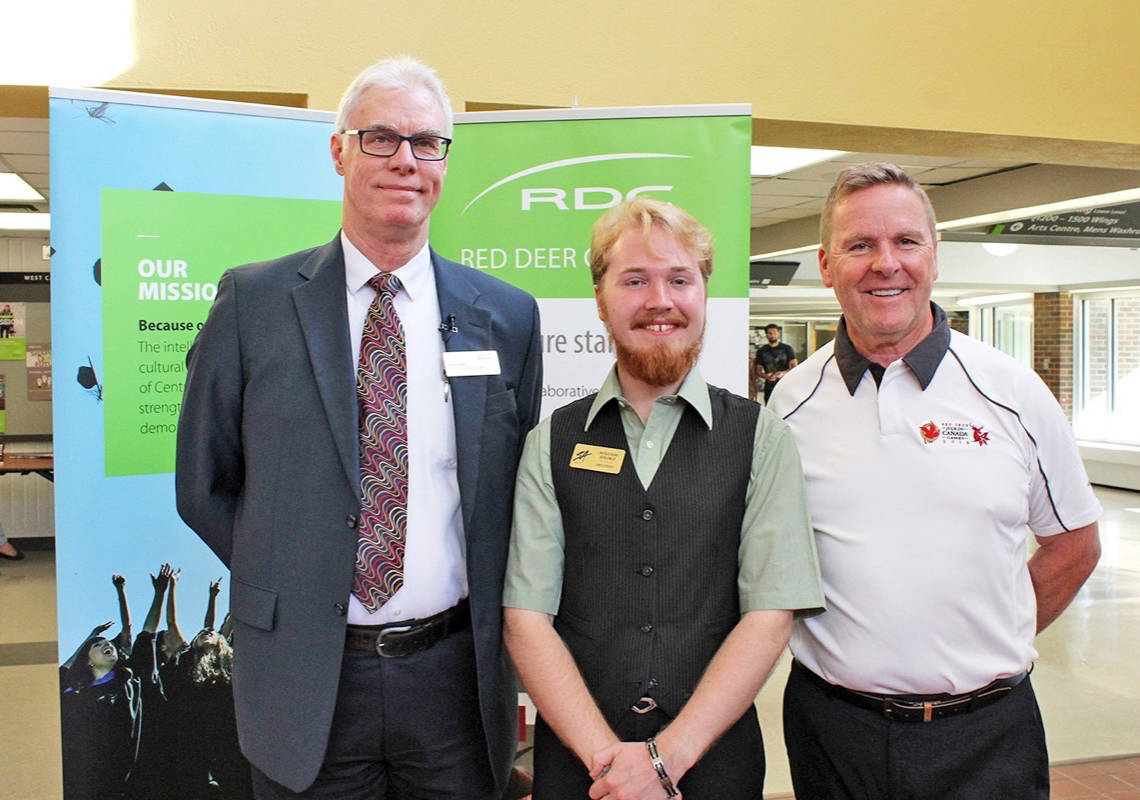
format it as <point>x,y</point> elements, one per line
<point>435,574</point>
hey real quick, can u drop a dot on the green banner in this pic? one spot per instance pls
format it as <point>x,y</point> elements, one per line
<point>522,210</point>
<point>163,253</point>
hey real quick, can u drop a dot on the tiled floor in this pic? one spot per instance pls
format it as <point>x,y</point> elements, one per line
<point>1086,679</point>
<point>1118,779</point>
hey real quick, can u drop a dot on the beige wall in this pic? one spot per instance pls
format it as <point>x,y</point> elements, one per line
<point>1022,68</point>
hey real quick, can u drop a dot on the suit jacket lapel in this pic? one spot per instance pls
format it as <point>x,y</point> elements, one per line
<point>323,314</point>
<point>468,395</point>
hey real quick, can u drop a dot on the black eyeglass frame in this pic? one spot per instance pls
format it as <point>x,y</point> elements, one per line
<point>400,139</point>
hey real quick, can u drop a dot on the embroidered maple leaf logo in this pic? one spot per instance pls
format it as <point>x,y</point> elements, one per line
<point>929,432</point>
<point>980,436</point>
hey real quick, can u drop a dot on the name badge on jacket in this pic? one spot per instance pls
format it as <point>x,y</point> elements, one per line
<point>462,363</point>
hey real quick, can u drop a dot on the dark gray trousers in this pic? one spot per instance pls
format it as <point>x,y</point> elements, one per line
<point>838,751</point>
<point>404,729</point>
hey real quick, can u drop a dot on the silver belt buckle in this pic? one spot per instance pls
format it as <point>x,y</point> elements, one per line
<point>643,706</point>
<point>383,634</point>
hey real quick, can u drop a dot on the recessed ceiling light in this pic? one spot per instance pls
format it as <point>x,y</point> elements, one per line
<point>25,221</point>
<point>1000,249</point>
<point>768,162</point>
<point>14,189</point>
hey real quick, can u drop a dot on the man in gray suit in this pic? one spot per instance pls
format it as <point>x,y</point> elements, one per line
<point>338,694</point>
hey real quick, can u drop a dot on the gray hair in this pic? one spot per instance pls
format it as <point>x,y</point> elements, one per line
<point>864,176</point>
<point>401,72</point>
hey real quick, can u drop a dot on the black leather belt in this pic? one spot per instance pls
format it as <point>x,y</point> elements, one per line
<point>917,708</point>
<point>399,639</point>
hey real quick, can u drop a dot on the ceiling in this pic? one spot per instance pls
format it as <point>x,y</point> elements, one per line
<point>793,195</point>
<point>801,192</point>
<point>24,150</point>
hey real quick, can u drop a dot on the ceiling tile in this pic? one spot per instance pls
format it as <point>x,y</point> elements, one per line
<point>26,163</point>
<point>15,142</point>
<point>990,163</point>
<point>24,124</point>
<point>944,175</point>
<point>785,187</point>
<point>901,160</point>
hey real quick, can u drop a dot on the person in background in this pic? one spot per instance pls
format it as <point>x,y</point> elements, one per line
<point>7,549</point>
<point>773,360</point>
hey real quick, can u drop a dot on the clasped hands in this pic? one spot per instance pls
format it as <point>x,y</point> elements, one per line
<point>623,771</point>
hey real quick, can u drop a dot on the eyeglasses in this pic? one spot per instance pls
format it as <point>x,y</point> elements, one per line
<point>385,143</point>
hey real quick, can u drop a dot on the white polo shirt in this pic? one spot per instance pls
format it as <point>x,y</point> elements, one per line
<point>920,491</point>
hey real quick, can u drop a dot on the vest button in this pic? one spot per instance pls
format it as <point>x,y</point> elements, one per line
<point>647,514</point>
<point>646,628</point>
<point>339,609</point>
<point>350,520</point>
<point>645,570</point>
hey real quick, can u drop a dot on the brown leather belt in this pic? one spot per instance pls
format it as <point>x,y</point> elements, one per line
<point>917,708</point>
<point>399,639</point>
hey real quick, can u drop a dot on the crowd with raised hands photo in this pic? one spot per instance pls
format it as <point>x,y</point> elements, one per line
<point>152,716</point>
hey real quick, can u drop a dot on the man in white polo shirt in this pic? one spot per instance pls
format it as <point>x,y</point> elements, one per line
<point>926,455</point>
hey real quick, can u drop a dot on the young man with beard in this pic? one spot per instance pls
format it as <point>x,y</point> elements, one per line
<point>660,545</point>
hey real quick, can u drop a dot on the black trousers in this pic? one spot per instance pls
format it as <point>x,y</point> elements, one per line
<point>768,387</point>
<point>404,729</point>
<point>732,769</point>
<point>838,751</point>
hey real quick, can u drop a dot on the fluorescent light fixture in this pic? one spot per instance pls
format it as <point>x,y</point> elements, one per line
<point>31,221</point>
<point>14,189</point>
<point>995,299</point>
<point>791,251</point>
<point>1000,249</point>
<point>771,161</point>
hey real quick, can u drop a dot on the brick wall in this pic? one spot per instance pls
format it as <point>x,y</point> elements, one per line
<point>1053,345</point>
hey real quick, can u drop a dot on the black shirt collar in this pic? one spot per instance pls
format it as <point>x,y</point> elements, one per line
<point>923,359</point>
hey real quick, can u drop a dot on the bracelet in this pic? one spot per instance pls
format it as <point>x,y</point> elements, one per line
<point>659,765</point>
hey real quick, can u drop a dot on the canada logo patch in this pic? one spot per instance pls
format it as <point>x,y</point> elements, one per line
<point>963,434</point>
<point>929,432</point>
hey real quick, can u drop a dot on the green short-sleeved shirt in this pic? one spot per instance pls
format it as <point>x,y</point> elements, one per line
<point>778,566</point>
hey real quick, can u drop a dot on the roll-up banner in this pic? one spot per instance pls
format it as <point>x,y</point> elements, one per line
<point>153,197</point>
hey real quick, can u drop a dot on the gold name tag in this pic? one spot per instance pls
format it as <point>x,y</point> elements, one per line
<point>598,459</point>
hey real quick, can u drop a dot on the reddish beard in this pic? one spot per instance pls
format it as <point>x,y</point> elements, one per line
<point>659,364</point>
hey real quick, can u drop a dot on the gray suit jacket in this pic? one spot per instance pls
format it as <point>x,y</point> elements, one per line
<point>268,476</point>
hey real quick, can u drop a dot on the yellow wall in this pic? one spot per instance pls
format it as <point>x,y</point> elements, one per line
<point>1021,67</point>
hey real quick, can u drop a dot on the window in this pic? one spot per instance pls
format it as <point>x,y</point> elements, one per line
<point>1108,367</point>
<point>1006,326</point>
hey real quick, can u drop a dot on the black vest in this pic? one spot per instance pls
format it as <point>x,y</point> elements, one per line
<point>649,585</point>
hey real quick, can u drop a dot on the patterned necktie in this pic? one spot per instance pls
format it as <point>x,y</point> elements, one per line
<point>382,393</point>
